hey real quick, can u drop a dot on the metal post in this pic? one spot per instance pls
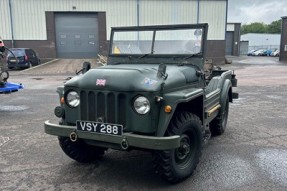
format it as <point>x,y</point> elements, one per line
<point>198,11</point>
<point>138,12</point>
<point>138,18</point>
<point>226,15</point>
<point>11,24</point>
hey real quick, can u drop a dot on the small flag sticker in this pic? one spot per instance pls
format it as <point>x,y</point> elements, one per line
<point>101,82</point>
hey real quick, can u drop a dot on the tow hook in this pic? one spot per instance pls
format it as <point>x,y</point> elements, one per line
<point>124,144</point>
<point>73,137</point>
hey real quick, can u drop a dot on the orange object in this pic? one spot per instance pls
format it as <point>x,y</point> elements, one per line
<point>168,109</point>
<point>62,100</point>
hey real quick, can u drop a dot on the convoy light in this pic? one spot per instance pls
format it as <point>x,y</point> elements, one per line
<point>62,100</point>
<point>167,109</point>
<point>142,105</point>
<point>72,99</point>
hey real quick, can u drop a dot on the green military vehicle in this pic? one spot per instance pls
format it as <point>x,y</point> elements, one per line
<point>152,95</point>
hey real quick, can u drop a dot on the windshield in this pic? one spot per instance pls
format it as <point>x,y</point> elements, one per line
<point>157,42</point>
<point>17,53</point>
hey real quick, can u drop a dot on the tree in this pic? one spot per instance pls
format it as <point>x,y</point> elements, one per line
<point>275,27</point>
<point>253,28</point>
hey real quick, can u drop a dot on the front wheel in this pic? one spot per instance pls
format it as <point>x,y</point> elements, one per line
<point>80,151</point>
<point>177,164</point>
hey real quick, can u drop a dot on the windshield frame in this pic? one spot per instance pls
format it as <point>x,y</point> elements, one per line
<point>154,29</point>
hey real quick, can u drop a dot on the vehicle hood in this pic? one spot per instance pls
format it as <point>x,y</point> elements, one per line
<point>128,77</point>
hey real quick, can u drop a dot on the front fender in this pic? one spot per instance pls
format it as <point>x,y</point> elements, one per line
<point>60,91</point>
<point>225,93</point>
<point>173,99</point>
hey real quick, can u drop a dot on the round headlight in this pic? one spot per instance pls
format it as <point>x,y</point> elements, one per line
<point>72,99</point>
<point>141,105</point>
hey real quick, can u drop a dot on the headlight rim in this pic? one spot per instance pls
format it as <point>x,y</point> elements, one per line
<point>66,98</point>
<point>134,108</point>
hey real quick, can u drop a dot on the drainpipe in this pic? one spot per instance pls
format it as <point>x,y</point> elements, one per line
<point>138,12</point>
<point>226,15</point>
<point>11,24</point>
<point>198,11</point>
<point>138,18</point>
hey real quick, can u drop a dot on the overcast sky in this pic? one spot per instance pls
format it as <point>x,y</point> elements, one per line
<point>248,11</point>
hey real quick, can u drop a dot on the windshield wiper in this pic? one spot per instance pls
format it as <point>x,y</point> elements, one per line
<point>192,55</point>
<point>146,55</point>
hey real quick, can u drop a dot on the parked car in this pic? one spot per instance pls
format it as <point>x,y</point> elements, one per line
<point>275,53</point>
<point>22,58</point>
<point>265,53</point>
<point>250,52</point>
<point>258,52</point>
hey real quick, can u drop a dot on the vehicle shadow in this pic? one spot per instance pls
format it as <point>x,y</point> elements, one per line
<point>116,171</point>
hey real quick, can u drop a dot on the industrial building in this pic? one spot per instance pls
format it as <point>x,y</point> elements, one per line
<point>232,40</point>
<point>81,29</point>
<point>257,41</point>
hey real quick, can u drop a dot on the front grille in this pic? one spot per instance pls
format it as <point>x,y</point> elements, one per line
<point>108,107</point>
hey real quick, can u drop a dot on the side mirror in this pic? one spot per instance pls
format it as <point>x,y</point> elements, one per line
<point>161,72</point>
<point>86,67</point>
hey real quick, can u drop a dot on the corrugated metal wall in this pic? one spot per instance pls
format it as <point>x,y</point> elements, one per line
<point>30,22</point>
<point>261,39</point>
<point>214,13</point>
<point>162,12</point>
<point>5,27</point>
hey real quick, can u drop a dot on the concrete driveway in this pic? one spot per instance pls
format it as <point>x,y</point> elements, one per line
<point>250,155</point>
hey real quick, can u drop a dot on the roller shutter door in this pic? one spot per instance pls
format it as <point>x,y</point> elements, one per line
<point>76,35</point>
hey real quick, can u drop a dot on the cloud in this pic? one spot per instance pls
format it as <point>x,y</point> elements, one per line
<point>257,11</point>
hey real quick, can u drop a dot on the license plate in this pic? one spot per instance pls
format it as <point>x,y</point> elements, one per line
<point>98,127</point>
<point>12,60</point>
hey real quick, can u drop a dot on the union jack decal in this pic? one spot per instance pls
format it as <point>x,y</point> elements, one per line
<point>101,82</point>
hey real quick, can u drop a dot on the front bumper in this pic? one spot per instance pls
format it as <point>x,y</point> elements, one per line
<point>133,140</point>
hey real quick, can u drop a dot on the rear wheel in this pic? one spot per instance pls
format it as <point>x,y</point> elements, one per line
<point>218,125</point>
<point>80,151</point>
<point>177,164</point>
<point>30,65</point>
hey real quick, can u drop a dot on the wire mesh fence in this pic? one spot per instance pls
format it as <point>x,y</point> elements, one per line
<point>245,48</point>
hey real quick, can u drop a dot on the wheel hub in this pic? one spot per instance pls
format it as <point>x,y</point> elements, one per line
<point>183,151</point>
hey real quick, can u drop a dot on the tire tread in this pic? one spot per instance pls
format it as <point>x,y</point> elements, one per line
<point>162,160</point>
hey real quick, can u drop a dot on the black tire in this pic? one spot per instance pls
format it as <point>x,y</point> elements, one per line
<point>218,125</point>
<point>4,76</point>
<point>177,164</point>
<point>80,151</point>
